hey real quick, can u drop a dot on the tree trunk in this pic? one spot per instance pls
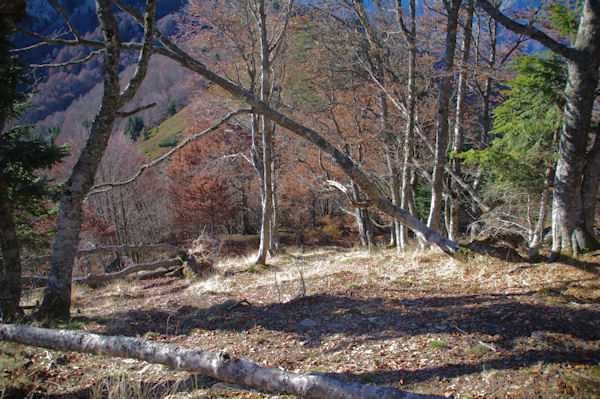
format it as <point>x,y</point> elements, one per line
<point>216,365</point>
<point>580,93</point>
<point>391,152</point>
<point>536,237</point>
<point>57,296</point>
<point>365,227</point>
<point>267,140</point>
<point>441,139</point>
<point>10,277</point>
<point>589,193</point>
<point>274,244</point>
<point>410,36</point>
<point>94,279</point>
<point>457,142</point>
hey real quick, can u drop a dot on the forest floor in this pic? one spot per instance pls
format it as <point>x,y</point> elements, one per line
<point>419,321</point>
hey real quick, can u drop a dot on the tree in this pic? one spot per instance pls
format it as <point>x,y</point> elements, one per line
<point>21,188</point>
<point>574,202</point>
<point>172,110</point>
<point>258,38</point>
<point>459,122</point>
<point>134,127</point>
<point>376,196</point>
<point>200,190</point>
<point>57,295</point>
<point>520,160</point>
<point>442,130</point>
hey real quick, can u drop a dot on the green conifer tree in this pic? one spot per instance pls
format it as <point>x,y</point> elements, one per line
<point>134,127</point>
<point>21,188</point>
<point>172,107</point>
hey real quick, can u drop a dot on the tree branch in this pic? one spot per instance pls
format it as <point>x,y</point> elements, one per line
<point>345,190</point>
<point>135,111</point>
<point>114,249</point>
<point>69,63</point>
<point>217,365</point>
<point>145,54</point>
<point>527,30</point>
<point>100,188</point>
<point>67,19</point>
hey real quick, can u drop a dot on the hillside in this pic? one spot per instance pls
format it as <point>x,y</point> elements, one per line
<point>166,135</point>
<point>417,321</point>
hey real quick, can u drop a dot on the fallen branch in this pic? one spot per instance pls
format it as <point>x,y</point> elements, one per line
<point>101,278</point>
<point>114,249</point>
<point>217,365</point>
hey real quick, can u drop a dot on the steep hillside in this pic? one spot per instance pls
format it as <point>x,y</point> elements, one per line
<point>165,136</point>
<point>58,88</point>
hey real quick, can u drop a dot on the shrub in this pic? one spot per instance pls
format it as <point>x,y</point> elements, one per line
<point>168,142</point>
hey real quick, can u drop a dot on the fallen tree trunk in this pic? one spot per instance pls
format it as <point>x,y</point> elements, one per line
<point>198,268</point>
<point>217,365</point>
<point>102,278</point>
<point>114,249</point>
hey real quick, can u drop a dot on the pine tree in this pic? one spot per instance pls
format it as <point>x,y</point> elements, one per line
<point>134,127</point>
<point>21,188</point>
<point>525,125</point>
<point>172,108</point>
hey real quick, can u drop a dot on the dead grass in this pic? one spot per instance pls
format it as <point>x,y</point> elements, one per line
<point>417,320</point>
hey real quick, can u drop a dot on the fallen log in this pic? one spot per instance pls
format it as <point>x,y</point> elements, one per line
<point>102,278</point>
<point>221,366</point>
<point>197,267</point>
<point>113,249</point>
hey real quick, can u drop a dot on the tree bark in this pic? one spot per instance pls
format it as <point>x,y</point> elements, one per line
<point>57,296</point>
<point>391,150</point>
<point>216,365</point>
<point>441,138</point>
<point>267,140</point>
<point>363,221</point>
<point>536,238</point>
<point>275,245</point>
<point>589,193</point>
<point>580,94</point>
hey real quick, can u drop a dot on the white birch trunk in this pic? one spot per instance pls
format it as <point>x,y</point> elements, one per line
<point>216,365</point>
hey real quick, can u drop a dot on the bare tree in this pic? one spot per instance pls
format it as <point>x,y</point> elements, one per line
<point>376,196</point>
<point>57,296</point>
<point>457,140</point>
<point>442,131</point>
